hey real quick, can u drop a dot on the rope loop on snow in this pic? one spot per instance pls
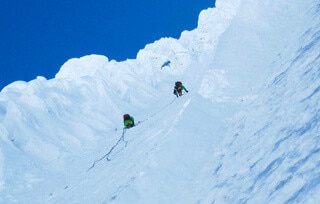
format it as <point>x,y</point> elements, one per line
<point>124,131</point>
<point>112,148</point>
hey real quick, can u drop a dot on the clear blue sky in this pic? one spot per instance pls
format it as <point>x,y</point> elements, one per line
<point>38,36</point>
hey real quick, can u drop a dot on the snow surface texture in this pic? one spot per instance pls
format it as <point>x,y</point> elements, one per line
<point>247,131</point>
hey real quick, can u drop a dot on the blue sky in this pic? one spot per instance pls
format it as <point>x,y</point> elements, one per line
<point>38,36</point>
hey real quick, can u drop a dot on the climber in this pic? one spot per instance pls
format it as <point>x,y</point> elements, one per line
<point>178,89</point>
<point>128,121</point>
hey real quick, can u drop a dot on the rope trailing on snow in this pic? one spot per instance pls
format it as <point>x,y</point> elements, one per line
<point>110,151</point>
<point>124,131</point>
<point>162,109</point>
<point>152,115</point>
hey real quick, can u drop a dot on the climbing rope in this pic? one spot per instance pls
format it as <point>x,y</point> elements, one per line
<point>110,151</point>
<point>162,109</point>
<point>152,115</point>
<point>124,131</point>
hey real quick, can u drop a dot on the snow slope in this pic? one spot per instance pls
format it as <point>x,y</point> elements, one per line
<point>247,131</point>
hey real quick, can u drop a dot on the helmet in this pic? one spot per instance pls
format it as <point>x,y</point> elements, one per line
<point>126,116</point>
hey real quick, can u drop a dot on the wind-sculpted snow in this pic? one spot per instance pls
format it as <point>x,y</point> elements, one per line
<point>273,155</point>
<point>246,132</point>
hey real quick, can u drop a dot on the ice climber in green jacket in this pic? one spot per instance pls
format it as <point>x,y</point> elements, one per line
<point>128,121</point>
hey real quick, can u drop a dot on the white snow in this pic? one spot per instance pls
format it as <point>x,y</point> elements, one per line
<point>247,131</point>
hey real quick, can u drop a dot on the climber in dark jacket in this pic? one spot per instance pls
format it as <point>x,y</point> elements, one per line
<point>178,89</point>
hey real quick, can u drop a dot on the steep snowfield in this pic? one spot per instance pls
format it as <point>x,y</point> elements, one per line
<point>247,131</point>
